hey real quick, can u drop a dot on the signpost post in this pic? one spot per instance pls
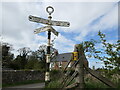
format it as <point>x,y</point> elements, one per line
<point>50,29</point>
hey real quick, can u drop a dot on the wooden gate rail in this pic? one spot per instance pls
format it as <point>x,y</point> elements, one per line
<point>67,66</point>
<point>101,78</point>
<point>72,86</point>
<point>68,73</point>
<point>78,75</point>
<point>95,74</point>
<point>70,79</point>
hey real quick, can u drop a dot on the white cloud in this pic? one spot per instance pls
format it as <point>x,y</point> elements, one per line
<point>96,63</point>
<point>64,44</point>
<point>60,0</point>
<point>111,19</point>
<point>107,20</point>
<point>79,14</point>
<point>18,30</point>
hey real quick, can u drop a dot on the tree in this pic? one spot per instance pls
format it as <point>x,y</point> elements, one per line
<point>16,63</point>
<point>23,55</point>
<point>43,51</point>
<point>109,53</point>
<point>7,56</point>
<point>32,60</point>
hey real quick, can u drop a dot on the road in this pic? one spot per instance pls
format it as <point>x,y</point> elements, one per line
<point>37,85</point>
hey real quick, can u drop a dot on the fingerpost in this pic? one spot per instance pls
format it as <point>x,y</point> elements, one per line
<point>50,29</point>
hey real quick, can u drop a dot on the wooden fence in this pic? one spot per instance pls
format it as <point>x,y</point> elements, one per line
<point>80,66</point>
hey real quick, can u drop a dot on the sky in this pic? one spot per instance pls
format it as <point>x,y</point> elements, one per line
<point>86,19</point>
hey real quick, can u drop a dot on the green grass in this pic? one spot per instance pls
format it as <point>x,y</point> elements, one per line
<point>22,83</point>
<point>55,79</point>
<point>53,84</point>
<point>90,82</point>
<point>0,85</point>
<point>95,85</point>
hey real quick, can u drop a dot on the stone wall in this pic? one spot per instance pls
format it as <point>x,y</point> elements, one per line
<point>13,76</point>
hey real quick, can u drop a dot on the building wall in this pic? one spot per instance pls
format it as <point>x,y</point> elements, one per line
<point>56,65</point>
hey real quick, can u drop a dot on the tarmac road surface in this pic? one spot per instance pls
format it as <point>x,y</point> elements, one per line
<point>37,85</point>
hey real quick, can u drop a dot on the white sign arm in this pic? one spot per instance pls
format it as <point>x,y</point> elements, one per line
<point>46,21</point>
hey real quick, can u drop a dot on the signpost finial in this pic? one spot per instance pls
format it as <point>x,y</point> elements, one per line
<point>50,10</point>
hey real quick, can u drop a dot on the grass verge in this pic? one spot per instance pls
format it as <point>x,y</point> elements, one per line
<point>53,84</point>
<point>95,85</point>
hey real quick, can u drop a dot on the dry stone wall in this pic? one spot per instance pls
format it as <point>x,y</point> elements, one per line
<point>13,76</point>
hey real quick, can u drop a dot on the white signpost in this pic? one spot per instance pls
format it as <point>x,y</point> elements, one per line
<point>46,28</point>
<point>46,21</point>
<point>50,29</point>
<point>54,31</point>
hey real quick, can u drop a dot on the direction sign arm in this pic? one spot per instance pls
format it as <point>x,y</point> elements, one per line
<point>46,21</point>
<point>38,20</point>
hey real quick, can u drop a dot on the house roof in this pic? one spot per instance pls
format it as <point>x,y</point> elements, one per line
<point>62,57</point>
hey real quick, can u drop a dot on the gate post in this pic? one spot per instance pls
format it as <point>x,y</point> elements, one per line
<point>79,67</point>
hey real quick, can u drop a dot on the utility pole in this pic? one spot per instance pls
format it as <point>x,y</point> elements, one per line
<point>50,29</point>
